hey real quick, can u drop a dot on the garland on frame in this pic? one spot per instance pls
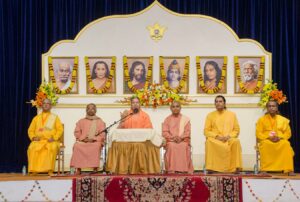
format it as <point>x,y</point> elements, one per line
<point>107,83</point>
<point>201,80</point>
<point>259,78</point>
<point>127,76</point>
<point>73,79</point>
<point>182,82</point>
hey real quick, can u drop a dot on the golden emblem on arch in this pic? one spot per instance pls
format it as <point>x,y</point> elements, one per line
<point>156,31</point>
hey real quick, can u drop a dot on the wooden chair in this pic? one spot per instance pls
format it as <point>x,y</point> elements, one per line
<point>257,165</point>
<point>61,156</point>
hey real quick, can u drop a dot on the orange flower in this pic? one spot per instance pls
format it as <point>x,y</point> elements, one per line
<point>278,96</point>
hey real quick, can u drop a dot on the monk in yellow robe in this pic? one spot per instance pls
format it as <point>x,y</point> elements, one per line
<point>44,132</point>
<point>273,132</point>
<point>176,130</point>
<point>222,147</point>
<point>135,117</point>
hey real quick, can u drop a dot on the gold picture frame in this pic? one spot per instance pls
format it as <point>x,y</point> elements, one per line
<point>174,73</point>
<point>63,73</point>
<point>211,74</point>
<point>137,73</point>
<point>249,74</point>
<point>100,74</point>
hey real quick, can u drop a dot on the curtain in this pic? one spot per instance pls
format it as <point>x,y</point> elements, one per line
<point>29,28</point>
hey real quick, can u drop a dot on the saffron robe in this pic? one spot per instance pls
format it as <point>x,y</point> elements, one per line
<point>178,155</point>
<point>222,156</point>
<point>274,156</point>
<point>42,154</point>
<point>138,120</point>
<point>87,155</point>
<point>250,85</point>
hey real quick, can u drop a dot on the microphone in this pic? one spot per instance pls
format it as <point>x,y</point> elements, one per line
<point>135,111</point>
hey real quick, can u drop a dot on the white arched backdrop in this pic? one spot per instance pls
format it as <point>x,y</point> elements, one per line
<point>185,35</point>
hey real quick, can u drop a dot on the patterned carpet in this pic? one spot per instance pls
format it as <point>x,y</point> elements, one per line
<point>157,188</point>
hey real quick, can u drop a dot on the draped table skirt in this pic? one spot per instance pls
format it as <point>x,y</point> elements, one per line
<point>133,158</point>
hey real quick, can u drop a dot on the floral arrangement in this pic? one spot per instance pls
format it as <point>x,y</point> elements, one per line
<point>46,90</point>
<point>271,92</point>
<point>157,95</point>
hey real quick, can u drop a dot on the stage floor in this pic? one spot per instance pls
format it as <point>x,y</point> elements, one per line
<point>196,187</point>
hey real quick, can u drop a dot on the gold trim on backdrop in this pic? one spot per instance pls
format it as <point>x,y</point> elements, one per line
<point>156,31</point>
<point>127,76</point>
<point>111,76</point>
<point>183,81</point>
<point>221,83</point>
<point>260,76</point>
<point>168,11</point>
<point>119,105</point>
<point>73,78</point>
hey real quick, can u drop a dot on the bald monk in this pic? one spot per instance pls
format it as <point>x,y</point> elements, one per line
<point>44,132</point>
<point>138,119</point>
<point>176,130</point>
<point>222,147</point>
<point>273,133</point>
<point>89,141</point>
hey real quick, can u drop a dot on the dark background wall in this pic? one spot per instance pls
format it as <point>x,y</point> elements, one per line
<point>29,28</point>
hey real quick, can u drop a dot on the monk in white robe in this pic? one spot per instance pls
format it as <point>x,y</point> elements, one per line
<point>176,130</point>
<point>89,141</point>
<point>222,147</point>
<point>44,132</point>
<point>273,133</point>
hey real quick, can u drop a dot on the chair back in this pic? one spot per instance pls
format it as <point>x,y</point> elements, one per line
<point>62,137</point>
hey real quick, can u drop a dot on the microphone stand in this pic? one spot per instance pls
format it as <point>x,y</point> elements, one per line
<point>106,132</point>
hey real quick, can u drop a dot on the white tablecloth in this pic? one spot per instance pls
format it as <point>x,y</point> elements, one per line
<point>135,135</point>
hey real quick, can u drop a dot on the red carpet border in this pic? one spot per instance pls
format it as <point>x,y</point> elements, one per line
<point>157,188</point>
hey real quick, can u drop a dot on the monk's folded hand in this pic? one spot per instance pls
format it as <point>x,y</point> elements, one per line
<point>91,140</point>
<point>35,139</point>
<point>220,138</point>
<point>274,138</point>
<point>50,139</point>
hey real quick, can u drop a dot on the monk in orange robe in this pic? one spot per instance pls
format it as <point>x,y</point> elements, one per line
<point>89,141</point>
<point>137,117</point>
<point>177,132</point>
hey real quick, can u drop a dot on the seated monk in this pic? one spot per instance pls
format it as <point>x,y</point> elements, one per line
<point>222,147</point>
<point>273,132</point>
<point>138,119</point>
<point>44,132</point>
<point>176,130</point>
<point>89,141</point>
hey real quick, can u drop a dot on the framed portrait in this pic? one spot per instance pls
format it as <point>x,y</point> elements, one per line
<point>100,74</point>
<point>63,72</point>
<point>249,74</point>
<point>211,74</point>
<point>174,73</point>
<point>137,73</point>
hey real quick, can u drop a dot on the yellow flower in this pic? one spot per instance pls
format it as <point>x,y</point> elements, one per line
<point>157,95</point>
<point>270,92</point>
